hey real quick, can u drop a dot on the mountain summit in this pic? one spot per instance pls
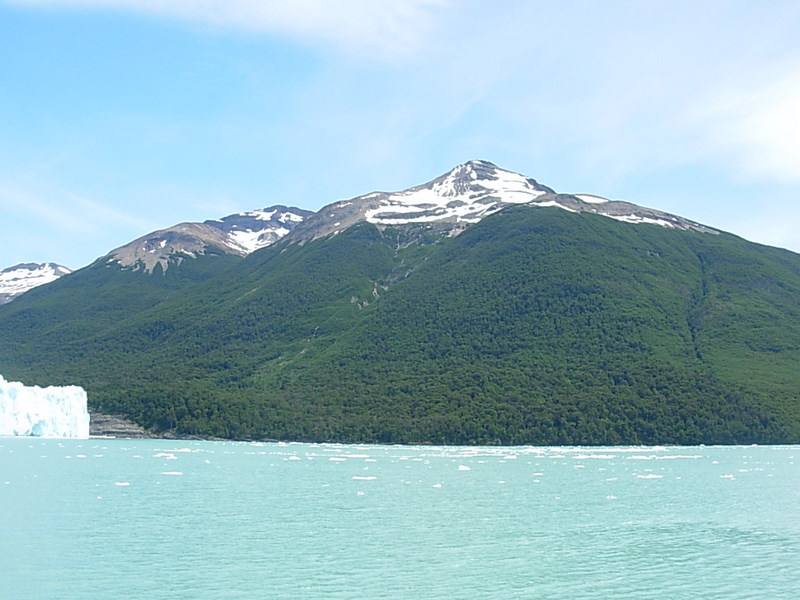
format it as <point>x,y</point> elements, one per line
<point>467,194</point>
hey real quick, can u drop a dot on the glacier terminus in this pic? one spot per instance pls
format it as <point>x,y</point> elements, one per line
<point>53,412</point>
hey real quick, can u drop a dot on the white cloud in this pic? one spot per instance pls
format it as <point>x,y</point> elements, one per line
<point>759,127</point>
<point>369,27</point>
<point>617,98</point>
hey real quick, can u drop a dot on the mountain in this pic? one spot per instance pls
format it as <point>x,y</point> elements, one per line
<point>19,279</point>
<point>238,234</point>
<point>482,307</point>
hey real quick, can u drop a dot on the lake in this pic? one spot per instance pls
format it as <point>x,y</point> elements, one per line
<point>158,519</point>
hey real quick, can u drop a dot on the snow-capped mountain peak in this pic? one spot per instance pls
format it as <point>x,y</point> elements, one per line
<point>451,202</point>
<point>465,195</point>
<point>20,278</point>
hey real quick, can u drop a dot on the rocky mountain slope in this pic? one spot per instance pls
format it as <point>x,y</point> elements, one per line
<point>238,234</point>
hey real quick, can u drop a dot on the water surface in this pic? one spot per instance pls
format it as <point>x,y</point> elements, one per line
<point>150,519</point>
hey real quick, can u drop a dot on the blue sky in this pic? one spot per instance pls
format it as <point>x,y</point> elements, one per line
<point>120,117</point>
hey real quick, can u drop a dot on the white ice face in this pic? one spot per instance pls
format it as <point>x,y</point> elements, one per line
<point>59,412</point>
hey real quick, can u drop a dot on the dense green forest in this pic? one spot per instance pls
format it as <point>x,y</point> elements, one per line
<point>534,326</point>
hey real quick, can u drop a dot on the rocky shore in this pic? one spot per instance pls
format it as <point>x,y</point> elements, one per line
<point>102,425</point>
<point>117,426</point>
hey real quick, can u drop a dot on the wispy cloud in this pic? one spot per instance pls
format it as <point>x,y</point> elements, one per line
<point>372,28</point>
<point>757,128</point>
<point>35,221</point>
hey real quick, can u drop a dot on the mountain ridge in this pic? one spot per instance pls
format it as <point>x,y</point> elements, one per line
<point>466,194</point>
<point>446,205</point>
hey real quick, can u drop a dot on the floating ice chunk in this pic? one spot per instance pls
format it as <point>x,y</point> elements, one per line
<point>165,455</point>
<point>122,483</point>
<point>679,456</point>
<point>367,478</point>
<point>650,476</point>
<point>464,468</point>
<point>598,456</point>
<point>172,473</point>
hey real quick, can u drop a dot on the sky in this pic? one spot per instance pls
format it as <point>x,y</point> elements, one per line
<point>121,117</point>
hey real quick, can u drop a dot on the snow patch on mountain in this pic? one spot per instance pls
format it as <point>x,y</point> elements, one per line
<point>632,218</point>
<point>250,240</point>
<point>20,278</point>
<point>257,229</point>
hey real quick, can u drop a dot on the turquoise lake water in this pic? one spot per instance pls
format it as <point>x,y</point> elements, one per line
<point>154,519</point>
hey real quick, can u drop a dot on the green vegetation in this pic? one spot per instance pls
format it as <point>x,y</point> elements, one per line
<point>534,326</point>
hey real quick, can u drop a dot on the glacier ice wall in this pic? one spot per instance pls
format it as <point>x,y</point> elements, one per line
<point>45,412</point>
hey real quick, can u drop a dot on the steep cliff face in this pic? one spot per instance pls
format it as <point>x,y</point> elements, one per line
<point>43,412</point>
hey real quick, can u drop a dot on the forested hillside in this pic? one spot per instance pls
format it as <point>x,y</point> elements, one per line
<point>533,326</point>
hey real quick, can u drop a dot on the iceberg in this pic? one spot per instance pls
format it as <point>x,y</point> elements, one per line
<point>58,412</point>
